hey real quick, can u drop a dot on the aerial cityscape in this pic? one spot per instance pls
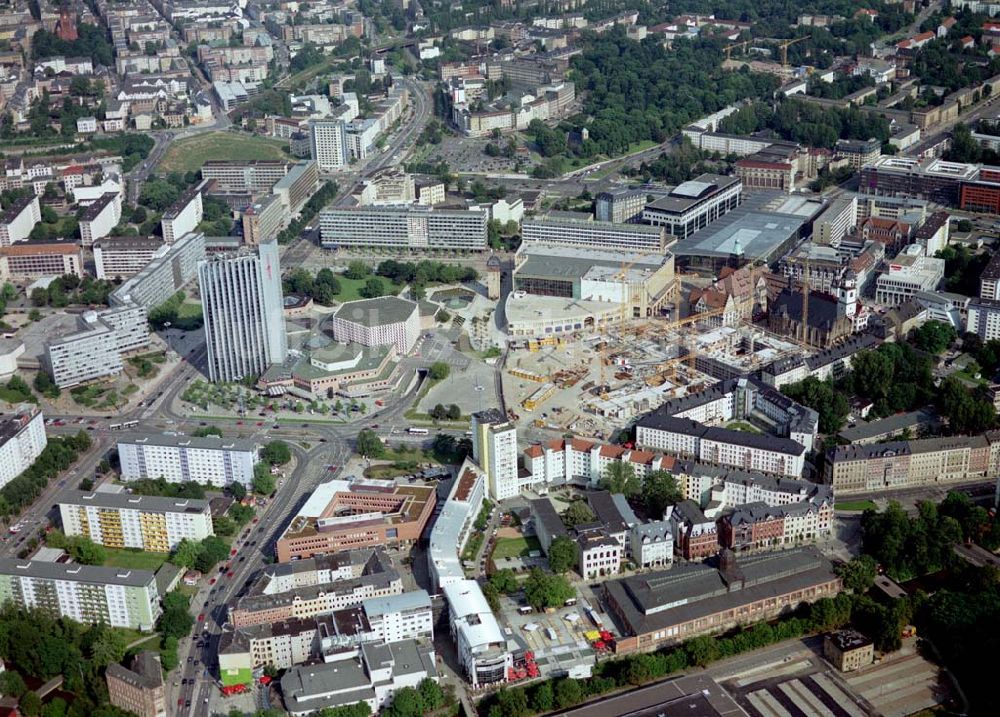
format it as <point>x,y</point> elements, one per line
<point>502,358</point>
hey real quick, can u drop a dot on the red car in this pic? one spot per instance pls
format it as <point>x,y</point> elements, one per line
<point>233,551</point>
<point>212,581</point>
<point>260,423</point>
<point>256,519</point>
<point>229,574</point>
<point>239,423</point>
<point>180,702</point>
<point>201,618</point>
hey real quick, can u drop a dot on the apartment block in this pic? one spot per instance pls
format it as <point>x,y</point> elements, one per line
<point>123,520</point>
<point>983,318</point>
<point>329,144</point>
<point>295,188</point>
<point>263,220</point>
<point>414,227</point>
<point>17,221</point>
<point>22,440</point>
<point>256,176</point>
<point>164,275</point>
<point>100,217</point>
<point>96,350</point>
<point>31,259</point>
<point>494,447</point>
<point>184,215</point>
<point>897,465</point>
<point>124,257</point>
<point>117,597</point>
<point>178,459</point>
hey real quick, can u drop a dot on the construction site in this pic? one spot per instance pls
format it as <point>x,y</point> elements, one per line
<point>594,385</point>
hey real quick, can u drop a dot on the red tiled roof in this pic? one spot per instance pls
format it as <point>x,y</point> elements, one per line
<point>534,451</point>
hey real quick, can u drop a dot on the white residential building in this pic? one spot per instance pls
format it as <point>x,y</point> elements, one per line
<point>907,274</point>
<point>122,257</point>
<point>454,525</point>
<point>143,522</point>
<point>413,227</point>
<point>983,319</point>
<point>329,144</point>
<point>482,647</point>
<point>652,544</point>
<point>178,459</point>
<point>405,616</point>
<point>494,447</point>
<point>19,219</point>
<point>184,216</point>
<point>595,235</point>
<point>100,217</point>
<point>22,440</point>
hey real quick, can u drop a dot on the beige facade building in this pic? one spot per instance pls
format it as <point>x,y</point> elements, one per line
<point>848,650</point>
<point>138,690</point>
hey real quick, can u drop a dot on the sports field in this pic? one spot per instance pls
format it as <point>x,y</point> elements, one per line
<point>187,155</point>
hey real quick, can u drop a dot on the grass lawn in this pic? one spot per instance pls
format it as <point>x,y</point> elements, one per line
<point>515,547</point>
<point>187,155</point>
<point>12,396</point>
<point>135,559</point>
<point>741,426</point>
<point>189,310</point>
<point>854,505</point>
<point>350,288</point>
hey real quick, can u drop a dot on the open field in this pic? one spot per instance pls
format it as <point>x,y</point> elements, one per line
<point>516,547</point>
<point>854,505</point>
<point>350,288</point>
<point>189,154</point>
<point>135,559</point>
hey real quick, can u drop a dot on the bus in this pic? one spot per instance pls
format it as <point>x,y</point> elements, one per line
<point>417,431</point>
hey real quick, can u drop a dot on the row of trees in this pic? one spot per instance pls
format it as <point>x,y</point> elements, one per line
<point>71,289</point>
<point>808,123</point>
<point>656,490</point>
<point>58,455</point>
<point>909,547</point>
<point>425,272</point>
<point>323,289</point>
<point>202,555</point>
<point>316,202</point>
<point>82,549</point>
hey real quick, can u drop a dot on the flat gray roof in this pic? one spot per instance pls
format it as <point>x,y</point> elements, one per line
<point>149,503</point>
<point>377,312</point>
<point>412,600</point>
<point>177,441</point>
<point>76,572</point>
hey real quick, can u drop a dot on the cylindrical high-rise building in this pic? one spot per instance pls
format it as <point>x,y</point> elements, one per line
<point>243,309</point>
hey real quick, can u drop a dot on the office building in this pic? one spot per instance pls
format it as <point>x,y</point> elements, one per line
<point>164,275</point>
<point>341,515</point>
<point>139,688</point>
<point>295,188</point>
<point>263,220</point>
<point>31,259</point>
<point>243,310</point>
<point>766,171</point>
<point>387,320</point>
<point>910,272</point>
<point>695,204</point>
<point>100,217</point>
<point>455,525</point>
<point>482,648</point>
<point>123,257</point>
<point>116,597</point>
<point>17,221</point>
<point>372,674</point>
<point>594,235</point>
<point>647,286</point>
<point>329,144</point>
<point>313,587</point>
<point>494,448</point>
<point>413,227</point>
<point>664,608</point>
<point>934,180</point>
<point>184,215</point>
<point>983,318</point>
<point>620,206</point>
<point>22,440</point>
<point>179,459</point>
<point>900,465</point>
<point>254,176</point>
<point>983,193</point>
<point>143,522</point>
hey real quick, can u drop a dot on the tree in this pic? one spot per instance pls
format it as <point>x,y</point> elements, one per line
<point>576,513</point>
<point>831,405</point>
<point>702,650</point>
<point>276,453</point>
<point>934,336</point>
<point>369,444</point>
<point>357,270</point>
<point>213,550</point>
<point>185,553</point>
<point>373,288</point>
<point>858,575</point>
<point>562,554</point>
<point>439,370</point>
<point>542,697</point>
<point>175,621</point>
<point>86,552</point>
<point>513,702</point>
<point>660,489</point>
<point>237,490</point>
<point>205,431</point>
<point>12,684</point>
<point>542,590</point>
<point>224,526</point>
<point>504,581</point>
<point>30,704</point>
<point>568,692</point>
<point>263,482</point>
<point>620,477</point>
<point>109,648</point>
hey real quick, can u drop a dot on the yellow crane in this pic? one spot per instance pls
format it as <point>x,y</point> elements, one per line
<point>785,44</point>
